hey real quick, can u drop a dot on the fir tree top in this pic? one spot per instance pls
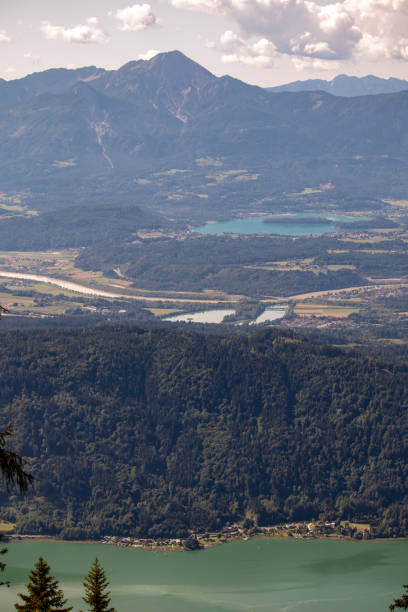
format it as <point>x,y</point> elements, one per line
<point>96,595</point>
<point>43,592</point>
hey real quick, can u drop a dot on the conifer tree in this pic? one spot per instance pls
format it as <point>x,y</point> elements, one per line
<point>43,592</point>
<point>12,465</point>
<point>402,602</point>
<point>3,565</point>
<point>12,470</point>
<point>96,595</point>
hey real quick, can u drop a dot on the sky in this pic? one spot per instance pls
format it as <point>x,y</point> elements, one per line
<point>263,42</point>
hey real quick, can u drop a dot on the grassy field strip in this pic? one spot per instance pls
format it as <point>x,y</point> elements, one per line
<point>324,310</point>
<point>276,268</point>
<point>336,267</point>
<point>159,312</point>
<point>375,251</point>
<point>385,281</point>
<point>373,240</point>
<point>301,265</point>
<point>6,526</point>
<point>401,203</point>
<point>328,292</point>
<point>307,191</point>
<point>45,288</point>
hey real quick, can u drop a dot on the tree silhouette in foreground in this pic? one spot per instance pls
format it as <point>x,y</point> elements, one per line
<point>402,602</point>
<point>3,565</point>
<point>12,465</point>
<point>43,592</point>
<point>11,468</point>
<point>96,595</point>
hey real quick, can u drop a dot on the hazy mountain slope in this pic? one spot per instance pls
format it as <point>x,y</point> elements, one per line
<point>54,80</point>
<point>347,86</point>
<point>169,111</point>
<point>169,81</point>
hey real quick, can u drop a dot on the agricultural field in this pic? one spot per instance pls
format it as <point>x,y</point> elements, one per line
<point>308,191</point>
<point>59,264</point>
<point>400,203</point>
<point>6,526</point>
<point>13,206</point>
<point>161,312</point>
<point>323,310</point>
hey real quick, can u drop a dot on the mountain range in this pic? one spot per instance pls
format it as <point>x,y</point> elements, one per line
<point>347,86</point>
<point>91,134</point>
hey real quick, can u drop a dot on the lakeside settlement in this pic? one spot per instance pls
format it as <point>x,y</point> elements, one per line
<point>234,532</point>
<point>230,533</point>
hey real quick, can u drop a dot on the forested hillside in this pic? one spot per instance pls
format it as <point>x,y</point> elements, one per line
<point>77,226</point>
<point>150,432</point>
<point>236,264</point>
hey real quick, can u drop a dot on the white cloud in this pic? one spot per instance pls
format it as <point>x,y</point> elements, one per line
<point>149,54</point>
<point>236,50</point>
<point>4,37</point>
<point>136,17</point>
<point>210,6</point>
<point>313,64</point>
<point>333,31</point>
<point>82,33</point>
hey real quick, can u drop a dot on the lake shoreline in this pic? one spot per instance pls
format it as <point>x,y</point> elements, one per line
<point>177,544</point>
<point>285,224</point>
<point>263,574</point>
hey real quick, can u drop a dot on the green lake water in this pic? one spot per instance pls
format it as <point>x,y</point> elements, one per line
<point>254,576</point>
<point>256,225</point>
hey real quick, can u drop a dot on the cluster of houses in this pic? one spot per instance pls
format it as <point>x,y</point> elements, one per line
<point>129,542</point>
<point>235,531</point>
<point>321,529</point>
<point>319,323</point>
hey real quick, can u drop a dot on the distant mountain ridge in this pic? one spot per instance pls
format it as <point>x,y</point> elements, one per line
<point>52,81</point>
<point>347,86</point>
<point>91,133</point>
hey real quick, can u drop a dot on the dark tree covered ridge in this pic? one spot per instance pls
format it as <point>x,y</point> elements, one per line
<point>77,226</point>
<point>154,432</point>
<point>223,263</point>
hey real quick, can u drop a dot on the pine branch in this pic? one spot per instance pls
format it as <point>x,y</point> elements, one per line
<point>12,465</point>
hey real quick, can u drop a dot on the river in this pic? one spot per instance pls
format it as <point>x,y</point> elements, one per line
<point>269,575</point>
<point>77,288</point>
<point>61,283</point>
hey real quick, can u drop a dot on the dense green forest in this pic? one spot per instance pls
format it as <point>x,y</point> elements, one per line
<point>77,226</point>
<point>235,264</point>
<point>153,431</point>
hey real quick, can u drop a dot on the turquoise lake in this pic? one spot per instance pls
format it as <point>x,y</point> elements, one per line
<point>254,576</point>
<point>256,225</point>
